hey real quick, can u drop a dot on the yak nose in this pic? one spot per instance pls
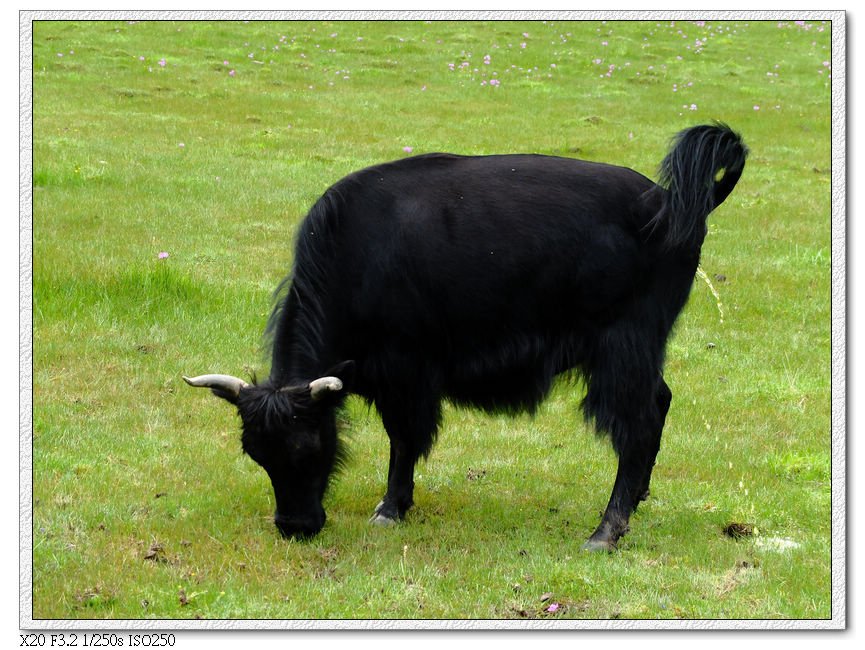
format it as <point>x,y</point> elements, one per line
<point>304,527</point>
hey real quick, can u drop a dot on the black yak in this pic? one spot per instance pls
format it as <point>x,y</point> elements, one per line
<point>479,279</point>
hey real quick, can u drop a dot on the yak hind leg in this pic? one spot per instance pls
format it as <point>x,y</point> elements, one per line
<point>636,441</point>
<point>411,426</point>
<point>623,500</point>
<point>663,397</point>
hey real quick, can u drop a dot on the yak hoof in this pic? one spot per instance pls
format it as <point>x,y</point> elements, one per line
<point>599,546</point>
<point>379,519</point>
<point>606,536</point>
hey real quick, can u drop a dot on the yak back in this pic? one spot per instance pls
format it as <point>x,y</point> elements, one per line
<point>486,276</point>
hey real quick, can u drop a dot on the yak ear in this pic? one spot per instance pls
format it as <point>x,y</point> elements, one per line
<point>334,384</point>
<point>346,372</point>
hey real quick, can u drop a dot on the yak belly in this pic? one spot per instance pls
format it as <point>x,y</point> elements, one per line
<point>509,375</point>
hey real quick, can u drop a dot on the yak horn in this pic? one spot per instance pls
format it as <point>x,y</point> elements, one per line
<point>318,387</point>
<point>226,383</point>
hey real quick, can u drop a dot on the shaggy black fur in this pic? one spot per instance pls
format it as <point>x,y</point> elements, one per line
<point>479,279</point>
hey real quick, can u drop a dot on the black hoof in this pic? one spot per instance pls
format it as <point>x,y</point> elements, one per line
<point>599,546</point>
<point>385,515</point>
<point>605,537</point>
<point>383,521</point>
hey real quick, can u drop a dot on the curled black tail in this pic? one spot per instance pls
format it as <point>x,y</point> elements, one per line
<point>688,174</point>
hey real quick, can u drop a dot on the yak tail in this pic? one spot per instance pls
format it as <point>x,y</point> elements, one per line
<point>690,187</point>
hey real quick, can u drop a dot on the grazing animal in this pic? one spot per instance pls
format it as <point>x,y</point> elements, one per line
<point>479,279</point>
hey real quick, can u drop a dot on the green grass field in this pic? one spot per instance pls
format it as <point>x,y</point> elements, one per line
<point>209,141</point>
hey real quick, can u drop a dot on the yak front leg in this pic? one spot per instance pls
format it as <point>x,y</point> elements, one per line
<point>400,486</point>
<point>411,427</point>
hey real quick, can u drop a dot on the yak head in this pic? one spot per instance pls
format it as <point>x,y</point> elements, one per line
<point>291,432</point>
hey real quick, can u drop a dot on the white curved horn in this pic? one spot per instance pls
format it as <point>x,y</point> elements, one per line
<point>223,382</point>
<point>318,387</point>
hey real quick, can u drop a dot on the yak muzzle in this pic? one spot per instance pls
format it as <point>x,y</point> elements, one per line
<point>302,527</point>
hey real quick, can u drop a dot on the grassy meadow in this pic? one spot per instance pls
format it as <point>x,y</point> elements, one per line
<point>172,162</point>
